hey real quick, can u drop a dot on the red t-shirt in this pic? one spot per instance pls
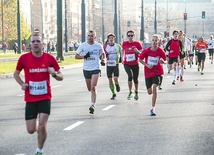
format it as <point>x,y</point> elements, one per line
<point>201,46</point>
<point>130,57</point>
<point>152,58</point>
<point>174,46</point>
<point>37,76</point>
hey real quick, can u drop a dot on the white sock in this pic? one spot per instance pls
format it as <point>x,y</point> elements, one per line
<point>182,71</point>
<point>174,75</point>
<point>39,150</point>
<point>177,70</point>
<point>93,104</point>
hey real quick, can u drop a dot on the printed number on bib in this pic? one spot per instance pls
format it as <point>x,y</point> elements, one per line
<point>130,57</point>
<point>91,58</point>
<point>153,60</point>
<point>202,51</point>
<point>38,88</point>
<point>111,62</point>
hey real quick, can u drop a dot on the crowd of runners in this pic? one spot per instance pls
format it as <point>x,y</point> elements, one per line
<point>178,53</point>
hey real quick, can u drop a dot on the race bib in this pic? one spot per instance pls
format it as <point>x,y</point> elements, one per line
<point>153,60</point>
<point>38,88</point>
<point>130,57</point>
<point>91,58</point>
<point>202,51</point>
<point>111,62</point>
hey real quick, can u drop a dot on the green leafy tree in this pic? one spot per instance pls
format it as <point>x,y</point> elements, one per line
<point>10,21</point>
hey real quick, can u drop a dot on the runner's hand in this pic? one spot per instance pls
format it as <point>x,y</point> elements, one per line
<point>51,70</point>
<point>24,86</point>
<point>87,55</point>
<point>102,62</point>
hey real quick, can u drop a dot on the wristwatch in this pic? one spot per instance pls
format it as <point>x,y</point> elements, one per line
<point>54,75</point>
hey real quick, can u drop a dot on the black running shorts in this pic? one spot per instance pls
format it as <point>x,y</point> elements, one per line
<point>88,74</point>
<point>172,60</point>
<point>112,70</point>
<point>153,80</point>
<point>32,109</point>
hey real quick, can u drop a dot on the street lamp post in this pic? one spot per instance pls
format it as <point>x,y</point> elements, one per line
<point>66,28</point>
<point>155,23</point>
<point>103,21</point>
<point>142,23</point>
<point>185,23</point>
<point>19,28</point>
<point>2,13</point>
<point>59,31</point>
<point>83,21</point>
<point>115,20</point>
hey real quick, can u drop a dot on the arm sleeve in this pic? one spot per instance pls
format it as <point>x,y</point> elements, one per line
<point>181,46</point>
<point>167,45</point>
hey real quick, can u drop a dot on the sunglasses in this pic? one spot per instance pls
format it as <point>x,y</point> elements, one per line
<point>38,41</point>
<point>90,35</point>
<point>130,35</point>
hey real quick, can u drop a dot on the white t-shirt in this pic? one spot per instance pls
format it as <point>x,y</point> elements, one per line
<point>210,44</point>
<point>92,62</point>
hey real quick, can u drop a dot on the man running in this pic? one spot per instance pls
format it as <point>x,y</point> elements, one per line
<point>201,46</point>
<point>37,66</point>
<point>91,52</point>
<point>174,47</point>
<point>113,56</point>
<point>210,43</point>
<point>130,52</point>
<point>152,58</point>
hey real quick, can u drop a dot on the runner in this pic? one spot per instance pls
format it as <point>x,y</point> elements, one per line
<point>37,66</point>
<point>190,51</point>
<point>130,52</point>
<point>211,48</point>
<point>152,58</point>
<point>113,55</point>
<point>201,46</point>
<point>91,52</point>
<point>174,47</point>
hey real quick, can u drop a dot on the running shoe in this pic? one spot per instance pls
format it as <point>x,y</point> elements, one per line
<point>168,71</point>
<point>91,109</point>
<point>113,96</point>
<point>38,153</point>
<point>202,73</point>
<point>177,78</point>
<point>136,96</point>
<point>181,79</point>
<point>152,112</point>
<point>117,87</point>
<point>173,82</point>
<point>129,96</point>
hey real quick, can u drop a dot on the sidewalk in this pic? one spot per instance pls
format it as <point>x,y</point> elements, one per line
<point>10,75</point>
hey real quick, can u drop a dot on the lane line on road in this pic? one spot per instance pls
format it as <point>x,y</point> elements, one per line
<point>20,95</point>
<point>56,86</point>
<point>74,125</point>
<point>79,80</point>
<point>109,107</point>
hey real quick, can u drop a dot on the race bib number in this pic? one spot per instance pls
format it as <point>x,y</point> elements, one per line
<point>111,62</point>
<point>38,88</point>
<point>153,60</point>
<point>130,57</point>
<point>202,51</point>
<point>91,58</point>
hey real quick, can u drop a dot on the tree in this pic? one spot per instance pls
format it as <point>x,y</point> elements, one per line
<point>10,20</point>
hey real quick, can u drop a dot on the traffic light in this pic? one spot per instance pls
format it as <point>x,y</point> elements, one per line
<point>185,16</point>
<point>203,14</point>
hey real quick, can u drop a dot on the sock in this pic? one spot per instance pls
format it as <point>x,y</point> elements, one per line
<point>177,70</point>
<point>93,104</point>
<point>111,86</point>
<point>182,71</point>
<point>116,83</point>
<point>174,75</point>
<point>39,150</point>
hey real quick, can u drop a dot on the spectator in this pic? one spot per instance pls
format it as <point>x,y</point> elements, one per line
<point>4,47</point>
<point>23,47</point>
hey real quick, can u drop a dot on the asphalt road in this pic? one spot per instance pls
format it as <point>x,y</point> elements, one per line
<point>184,124</point>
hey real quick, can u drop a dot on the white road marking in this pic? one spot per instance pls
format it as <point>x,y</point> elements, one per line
<point>168,77</point>
<point>74,125</point>
<point>109,107</point>
<point>56,86</point>
<point>20,95</point>
<point>79,80</point>
<point>20,154</point>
